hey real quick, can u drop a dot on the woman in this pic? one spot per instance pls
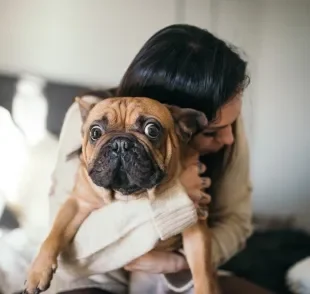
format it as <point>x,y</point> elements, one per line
<point>186,66</point>
<point>189,67</point>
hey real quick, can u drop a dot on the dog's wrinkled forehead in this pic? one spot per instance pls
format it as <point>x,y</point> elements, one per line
<point>122,113</point>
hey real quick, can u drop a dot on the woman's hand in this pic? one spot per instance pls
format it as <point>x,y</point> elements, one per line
<point>194,184</point>
<point>157,262</point>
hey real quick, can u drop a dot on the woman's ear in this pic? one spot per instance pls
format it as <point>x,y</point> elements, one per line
<point>188,122</point>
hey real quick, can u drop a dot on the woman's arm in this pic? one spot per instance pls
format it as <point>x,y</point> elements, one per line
<point>230,217</point>
<point>231,227</point>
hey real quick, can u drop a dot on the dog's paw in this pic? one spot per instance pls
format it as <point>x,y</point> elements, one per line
<point>40,276</point>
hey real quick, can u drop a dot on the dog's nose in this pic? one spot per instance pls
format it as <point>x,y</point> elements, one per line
<point>121,145</point>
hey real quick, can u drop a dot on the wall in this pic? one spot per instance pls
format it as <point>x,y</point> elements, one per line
<point>281,142</point>
<point>82,41</point>
<point>276,37</point>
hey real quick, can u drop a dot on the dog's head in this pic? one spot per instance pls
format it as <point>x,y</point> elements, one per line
<point>131,144</point>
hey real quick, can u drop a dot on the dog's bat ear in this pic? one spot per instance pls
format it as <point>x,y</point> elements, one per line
<point>188,121</point>
<point>85,107</point>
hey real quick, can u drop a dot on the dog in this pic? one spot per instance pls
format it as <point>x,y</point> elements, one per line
<point>130,146</point>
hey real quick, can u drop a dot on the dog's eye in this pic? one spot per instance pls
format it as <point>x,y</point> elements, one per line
<point>152,130</point>
<point>95,133</point>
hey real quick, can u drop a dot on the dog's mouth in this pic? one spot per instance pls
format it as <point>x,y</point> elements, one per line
<point>125,165</point>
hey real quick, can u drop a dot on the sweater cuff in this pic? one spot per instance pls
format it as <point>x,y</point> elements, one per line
<point>173,211</point>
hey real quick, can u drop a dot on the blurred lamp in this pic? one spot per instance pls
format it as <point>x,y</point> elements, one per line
<point>30,109</point>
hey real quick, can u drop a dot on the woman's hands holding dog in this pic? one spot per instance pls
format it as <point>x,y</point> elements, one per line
<point>158,262</point>
<point>194,184</point>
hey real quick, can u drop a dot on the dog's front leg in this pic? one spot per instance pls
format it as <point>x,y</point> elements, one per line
<point>197,247</point>
<point>70,217</point>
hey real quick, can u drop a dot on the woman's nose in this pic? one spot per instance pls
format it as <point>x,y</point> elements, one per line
<point>226,136</point>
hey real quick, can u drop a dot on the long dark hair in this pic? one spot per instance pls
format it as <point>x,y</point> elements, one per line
<point>186,66</point>
<point>189,67</point>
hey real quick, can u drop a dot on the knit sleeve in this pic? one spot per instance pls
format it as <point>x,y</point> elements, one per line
<point>173,211</point>
<point>231,212</point>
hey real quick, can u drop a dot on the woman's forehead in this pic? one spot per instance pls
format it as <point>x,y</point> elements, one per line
<point>227,114</point>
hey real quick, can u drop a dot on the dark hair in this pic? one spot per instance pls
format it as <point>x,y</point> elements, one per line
<point>186,66</point>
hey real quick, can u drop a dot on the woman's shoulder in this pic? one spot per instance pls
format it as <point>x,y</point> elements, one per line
<point>240,129</point>
<point>241,147</point>
<point>237,155</point>
<point>239,160</point>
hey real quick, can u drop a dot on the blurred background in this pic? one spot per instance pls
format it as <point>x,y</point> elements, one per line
<point>50,51</point>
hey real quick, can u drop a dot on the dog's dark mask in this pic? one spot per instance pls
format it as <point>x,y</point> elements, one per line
<point>125,145</point>
<point>124,164</point>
